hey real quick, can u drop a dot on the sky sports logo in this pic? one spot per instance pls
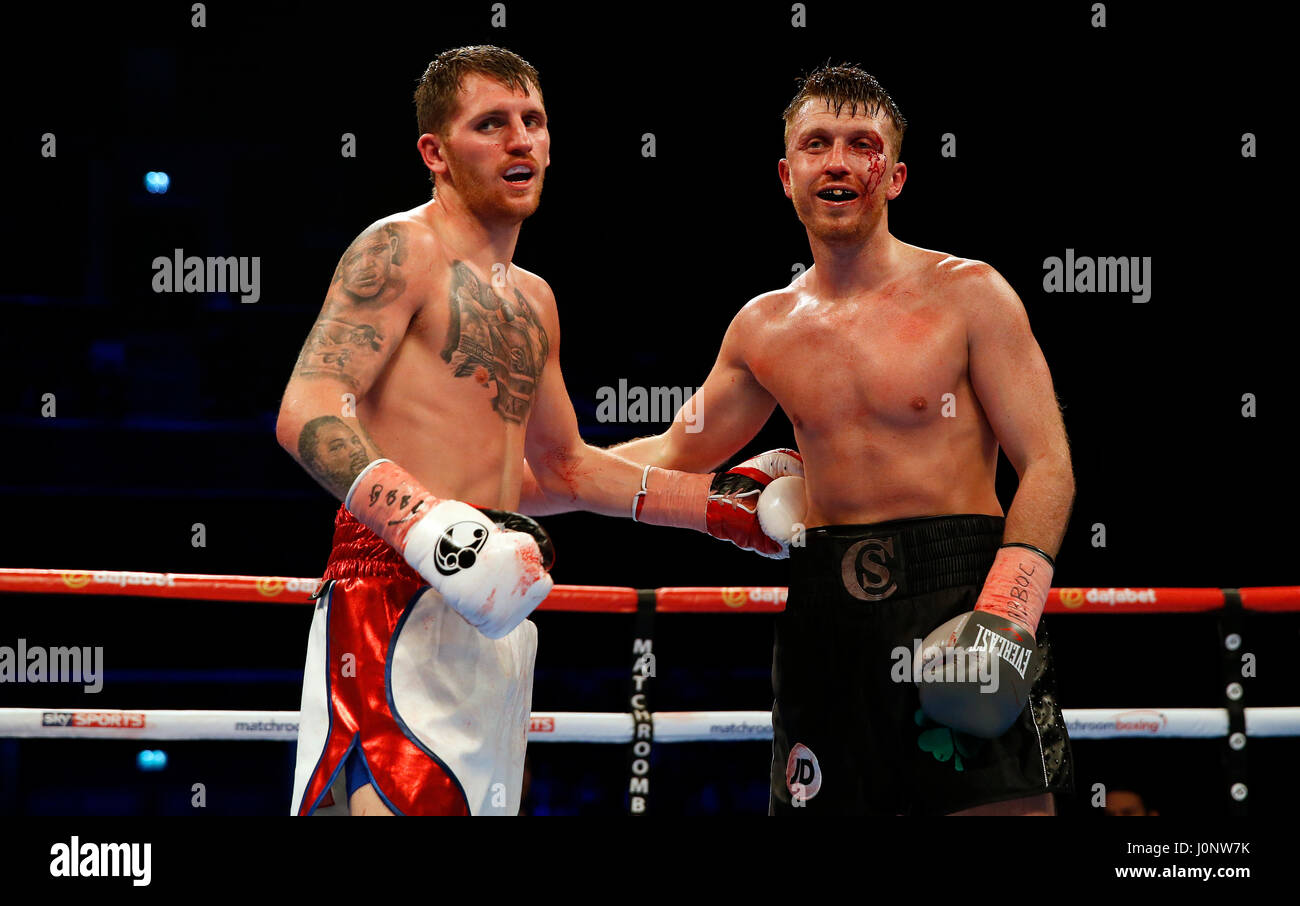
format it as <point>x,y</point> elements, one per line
<point>104,719</point>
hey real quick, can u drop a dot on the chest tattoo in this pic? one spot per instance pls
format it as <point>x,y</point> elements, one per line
<point>496,340</point>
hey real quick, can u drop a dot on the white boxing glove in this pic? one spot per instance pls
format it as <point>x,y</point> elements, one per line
<point>492,577</point>
<point>781,510</point>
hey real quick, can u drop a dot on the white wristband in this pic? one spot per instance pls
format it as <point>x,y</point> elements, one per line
<point>645,474</point>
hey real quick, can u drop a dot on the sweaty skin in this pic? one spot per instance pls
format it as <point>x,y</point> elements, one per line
<point>430,344</point>
<point>892,394</point>
<point>878,390</point>
<point>432,349</point>
<point>901,369</point>
<point>450,356</point>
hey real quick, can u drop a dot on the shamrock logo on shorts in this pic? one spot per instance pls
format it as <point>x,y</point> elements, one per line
<point>944,743</point>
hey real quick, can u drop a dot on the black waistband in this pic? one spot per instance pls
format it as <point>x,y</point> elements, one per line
<point>895,559</point>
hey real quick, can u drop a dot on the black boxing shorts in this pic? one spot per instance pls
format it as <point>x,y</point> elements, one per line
<point>849,736</point>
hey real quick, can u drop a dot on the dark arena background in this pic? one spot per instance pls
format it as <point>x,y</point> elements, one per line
<point>134,417</point>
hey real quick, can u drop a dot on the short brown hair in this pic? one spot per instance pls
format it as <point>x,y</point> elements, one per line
<point>435,97</point>
<point>842,85</point>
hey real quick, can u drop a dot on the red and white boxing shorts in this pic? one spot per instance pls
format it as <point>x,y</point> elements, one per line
<point>414,700</point>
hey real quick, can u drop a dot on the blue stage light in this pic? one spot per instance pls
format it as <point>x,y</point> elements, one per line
<point>157,182</point>
<point>151,760</point>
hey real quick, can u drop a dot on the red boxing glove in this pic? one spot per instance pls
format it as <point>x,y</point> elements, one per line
<point>732,510</point>
<point>723,504</point>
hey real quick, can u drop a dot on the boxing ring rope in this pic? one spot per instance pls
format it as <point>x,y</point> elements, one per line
<point>615,599</point>
<point>1232,721</point>
<point>580,726</point>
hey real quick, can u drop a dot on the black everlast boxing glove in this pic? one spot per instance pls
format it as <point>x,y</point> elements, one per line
<point>978,668</point>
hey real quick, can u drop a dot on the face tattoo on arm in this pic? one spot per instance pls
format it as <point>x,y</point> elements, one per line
<point>333,452</point>
<point>342,345</point>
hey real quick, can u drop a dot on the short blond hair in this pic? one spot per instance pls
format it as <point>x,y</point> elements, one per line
<point>847,85</point>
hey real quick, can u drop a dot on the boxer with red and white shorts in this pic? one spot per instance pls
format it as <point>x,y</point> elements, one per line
<point>431,371</point>
<point>440,734</point>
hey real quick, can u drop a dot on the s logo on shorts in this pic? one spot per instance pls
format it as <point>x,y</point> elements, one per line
<point>803,776</point>
<point>866,569</point>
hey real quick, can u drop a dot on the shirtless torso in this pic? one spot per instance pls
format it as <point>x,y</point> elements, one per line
<point>439,363</point>
<point>902,371</point>
<point>899,396</point>
<point>434,351</point>
<point>429,351</point>
<point>878,391</point>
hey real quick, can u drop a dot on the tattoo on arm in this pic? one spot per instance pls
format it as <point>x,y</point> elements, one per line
<point>368,278</point>
<point>333,344</point>
<point>498,341</point>
<point>334,453</point>
<point>369,274</point>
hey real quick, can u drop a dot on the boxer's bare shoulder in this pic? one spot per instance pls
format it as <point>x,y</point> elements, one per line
<point>975,284</point>
<point>962,292</point>
<point>928,273</point>
<point>372,295</point>
<point>756,321</point>
<point>537,293</point>
<point>775,304</point>
<point>403,253</point>
<point>989,311</point>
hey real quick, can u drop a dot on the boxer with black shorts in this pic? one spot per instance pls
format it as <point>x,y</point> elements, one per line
<point>858,593</point>
<point>902,371</point>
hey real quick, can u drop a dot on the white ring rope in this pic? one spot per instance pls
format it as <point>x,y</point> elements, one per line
<point>581,726</point>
